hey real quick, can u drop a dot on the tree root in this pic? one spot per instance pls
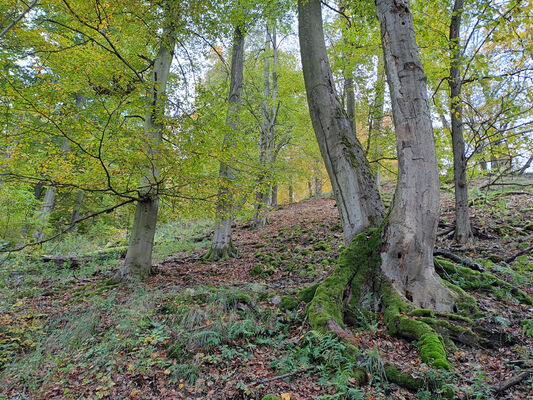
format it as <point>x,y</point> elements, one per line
<point>438,251</point>
<point>222,254</point>
<point>356,285</point>
<point>467,278</point>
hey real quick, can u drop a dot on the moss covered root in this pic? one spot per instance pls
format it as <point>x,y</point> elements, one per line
<point>468,278</point>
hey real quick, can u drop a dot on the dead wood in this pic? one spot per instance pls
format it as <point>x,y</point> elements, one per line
<point>506,384</point>
<point>439,251</point>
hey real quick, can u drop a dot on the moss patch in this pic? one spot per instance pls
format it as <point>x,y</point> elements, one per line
<point>405,380</point>
<point>469,279</point>
<point>288,303</point>
<point>307,294</point>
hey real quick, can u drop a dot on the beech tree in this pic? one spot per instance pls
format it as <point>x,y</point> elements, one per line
<point>389,268</point>
<point>222,247</point>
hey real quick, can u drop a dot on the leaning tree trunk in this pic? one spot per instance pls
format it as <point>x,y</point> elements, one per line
<point>409,237</point>
<point>138,262</point>
<point>358,200</point>
<point>222,247</point>
<point>463,230</point>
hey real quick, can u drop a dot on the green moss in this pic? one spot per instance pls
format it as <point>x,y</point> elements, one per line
<point>288,303</point>
<point>465,303</point>
<point>270,397</point>
<point>256,270</point>
<point>403,379</point>
<point>360,376</point>
<point>431,347</point>
<point>353,265</point>
<point>422,312</point>
<point>307,294</point>
<point>468,278</point>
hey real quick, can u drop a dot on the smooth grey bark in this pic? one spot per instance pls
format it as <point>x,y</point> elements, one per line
<point>274,200</point>
<point>358,200</point>
<point>291,191</point>
<point>76,209</point>
<point>463,230</point>
<point>268,122</point>
<point>409,237</point>
<point>222,246</point>
<point>138,262</point>
<point>48,202</point>
<point>318,186</point>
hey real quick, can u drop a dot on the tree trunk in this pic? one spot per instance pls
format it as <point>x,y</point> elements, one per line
<point>318,186</point>
<point>262,197</point>
<point>291,191</point>
<point>222,246</point>
<point>274,201</point>
<point>138,262</point>
<point>409,237</point>
<point>76,209</point>
<point>463,230</point>
<point>310,188</point>
<point>358,200</point>
<point>46,209</point>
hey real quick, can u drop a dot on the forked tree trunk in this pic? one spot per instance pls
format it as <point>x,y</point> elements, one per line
<point>409,237</point>
<point>463,230</point>
<point>222,247</point>
<point>138,262</point>
<point>358,200</point>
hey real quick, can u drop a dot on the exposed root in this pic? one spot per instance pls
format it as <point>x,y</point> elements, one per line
<point>223,254</point>
<point>467,278</point>
<point>357,286</point>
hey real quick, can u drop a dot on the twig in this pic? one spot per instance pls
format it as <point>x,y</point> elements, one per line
<point>276,378</point>
<point>506,384</point>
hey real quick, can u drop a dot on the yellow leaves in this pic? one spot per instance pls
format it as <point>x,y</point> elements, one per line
<point>285,396</point>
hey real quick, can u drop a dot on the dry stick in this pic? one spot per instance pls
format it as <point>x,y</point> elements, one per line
<point>438,251</point>
<point>275,378</point>
<point>512,258</point>
<point>506,384</point>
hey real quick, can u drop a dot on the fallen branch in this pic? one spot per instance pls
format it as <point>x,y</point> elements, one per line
<point>276,378</point>
<point>512,258</point>
<point>439,251</point>
<point>506,384</point>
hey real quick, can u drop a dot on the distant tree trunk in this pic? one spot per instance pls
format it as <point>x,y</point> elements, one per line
<point>274,201</point>
<point>318,186</point>
<point>222,247</point>
<point>76,209</point>
<point>409,237</point>
<point>138,262</point>
<point>463,230</point>
<point>291,191</point>
<point>310,188</point>
<point>46,209</point>
<point>263,192</point>
<point>49,201</point>
<point>358,200</point>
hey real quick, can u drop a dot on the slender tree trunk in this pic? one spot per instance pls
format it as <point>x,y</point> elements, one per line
<point>310,188</point>
<point>274,201</point>
<point>463,231</point>
<point>318,186</point>
<point>409,237</point>
<point>222,247</point>
<point>76,209</point>
<point>358,200</point>
<point>291,191</point>
<point>526,165</point>
<point>263,192</point>
<point>138,262</point>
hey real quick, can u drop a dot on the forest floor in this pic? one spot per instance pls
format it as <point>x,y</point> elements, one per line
<point>229,330</point>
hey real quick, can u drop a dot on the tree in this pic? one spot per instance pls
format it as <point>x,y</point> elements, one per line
<point>412,227</point>
<point>138,263</point>
<point>222,247</point>
<point>389,268</point>
<point>463,231</point>
<point>358,200</point>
